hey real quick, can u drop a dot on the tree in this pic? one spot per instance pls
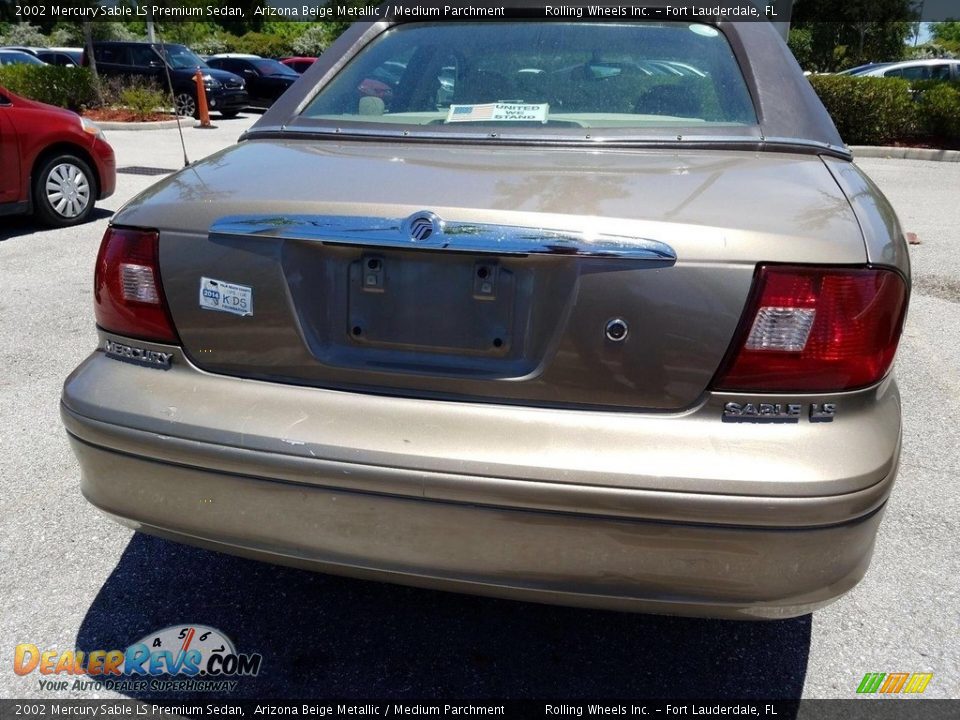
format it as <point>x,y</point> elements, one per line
<point>843,34</point>
<point>336,28</point>
<point>250,22</point>
<point>946,32</point>
<point>314,41</point>
<point>8,12</point>
<point>88,51</point>
<point>800,41</point>
<point>23,34</point>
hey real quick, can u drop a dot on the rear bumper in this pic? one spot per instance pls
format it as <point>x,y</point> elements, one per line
<point>150,463</point>
<point>571,559</point>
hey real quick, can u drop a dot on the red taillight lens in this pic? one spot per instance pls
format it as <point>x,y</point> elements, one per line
<point>128,296</point>
<point>816,329</point>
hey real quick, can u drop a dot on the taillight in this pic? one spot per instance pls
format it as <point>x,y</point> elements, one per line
<point>128,296</point>
<point>809,329</point>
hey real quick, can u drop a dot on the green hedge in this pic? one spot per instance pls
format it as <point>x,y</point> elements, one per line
<point>868,111</point>
<point>260,44</point>
<point>877,111</point>
<point>938,107</point>
<point>144,101</point>
<point>62,86</point>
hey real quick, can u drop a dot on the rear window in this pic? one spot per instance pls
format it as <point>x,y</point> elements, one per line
<point>19,58</point>
<point>273,67</point>
<point>114,54</point>
<point>181,57</point>
<point>548,75</point>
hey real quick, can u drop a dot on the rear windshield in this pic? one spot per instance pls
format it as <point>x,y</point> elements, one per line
<point>546,75</point>
<point>273,67</point>
<point>19,58</point>
<point>182,58</point>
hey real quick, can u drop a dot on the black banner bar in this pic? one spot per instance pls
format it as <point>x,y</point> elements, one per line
<point>440,10</point>
<point>854,709</point>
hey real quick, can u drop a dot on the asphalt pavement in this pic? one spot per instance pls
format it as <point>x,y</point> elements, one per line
<point>70,578</point>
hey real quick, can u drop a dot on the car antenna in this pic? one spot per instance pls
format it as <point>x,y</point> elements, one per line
<point>166,67</point>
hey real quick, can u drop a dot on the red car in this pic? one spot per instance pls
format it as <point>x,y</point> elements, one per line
<point>55,163</point>
<point>300,64</point>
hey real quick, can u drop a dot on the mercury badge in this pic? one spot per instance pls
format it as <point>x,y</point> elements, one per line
<point>423,225</point>
<point>138,356</point>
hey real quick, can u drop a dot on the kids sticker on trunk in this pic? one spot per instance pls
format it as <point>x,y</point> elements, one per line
<point>226,297</point>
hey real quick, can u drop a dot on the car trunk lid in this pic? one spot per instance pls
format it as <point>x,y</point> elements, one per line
<point>534,256</point>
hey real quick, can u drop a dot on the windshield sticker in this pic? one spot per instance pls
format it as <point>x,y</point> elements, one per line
<point>498,112</point>
<point>226,297</point>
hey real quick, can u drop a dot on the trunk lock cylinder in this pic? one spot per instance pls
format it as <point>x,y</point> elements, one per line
<point>616,330</point>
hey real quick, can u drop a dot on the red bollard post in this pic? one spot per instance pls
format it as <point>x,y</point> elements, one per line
<point>202,101</point>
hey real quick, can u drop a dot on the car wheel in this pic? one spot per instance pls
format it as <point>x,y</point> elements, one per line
<point>229,113</point>
<point>64,191</point>
<point>185,105</point>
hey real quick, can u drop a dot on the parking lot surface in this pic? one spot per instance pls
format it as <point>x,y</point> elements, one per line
<point>72,578</point>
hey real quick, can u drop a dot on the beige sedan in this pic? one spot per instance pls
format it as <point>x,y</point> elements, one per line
<point>599,314</point>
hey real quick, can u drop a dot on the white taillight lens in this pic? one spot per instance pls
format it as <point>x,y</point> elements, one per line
<point>138,283</point>
<point>127,287</point>
<point>780,328</point>
<point>816,329</point>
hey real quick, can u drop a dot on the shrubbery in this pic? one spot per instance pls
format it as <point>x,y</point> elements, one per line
<point>210,45</point>
<point>143,99</point>
<point>260,44</point>
<point>877,111</point>
<point>868,111</point>
<point>314,41</point>
<point>71,88</point>
<point>29,35</point>
<point>938,106</point>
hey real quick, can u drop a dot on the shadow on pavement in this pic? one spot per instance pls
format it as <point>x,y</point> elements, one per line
<point>18,225</point>
<point>325,636</point>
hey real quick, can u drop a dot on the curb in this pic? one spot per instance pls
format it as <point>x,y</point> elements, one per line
<point>904,153</point>
<point>154,125</point>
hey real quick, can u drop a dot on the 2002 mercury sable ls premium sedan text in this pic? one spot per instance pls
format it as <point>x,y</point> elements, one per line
<point>516,309</point>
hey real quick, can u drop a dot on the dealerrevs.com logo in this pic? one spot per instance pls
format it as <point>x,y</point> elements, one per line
<point>177,658</point>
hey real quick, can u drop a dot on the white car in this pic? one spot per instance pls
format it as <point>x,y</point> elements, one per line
<point>936,69</point>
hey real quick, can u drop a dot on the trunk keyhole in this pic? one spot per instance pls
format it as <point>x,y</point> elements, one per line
<point>616,330</point>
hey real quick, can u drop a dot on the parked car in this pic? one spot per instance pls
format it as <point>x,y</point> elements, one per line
<point>62,56</point>
<point>620,340</point>
<point>858,69</point>
<point>266,79</point>
<point>934,69</point>
<point>225,91</point>
<point>55,163</point>
<point>300,64</point>
<point>18,57</point>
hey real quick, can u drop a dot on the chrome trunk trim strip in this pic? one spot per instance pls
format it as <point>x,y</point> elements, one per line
<point>412,233</point>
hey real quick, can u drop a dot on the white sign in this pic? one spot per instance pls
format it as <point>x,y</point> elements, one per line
<point>498,112</point>
<point>226,297</point>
